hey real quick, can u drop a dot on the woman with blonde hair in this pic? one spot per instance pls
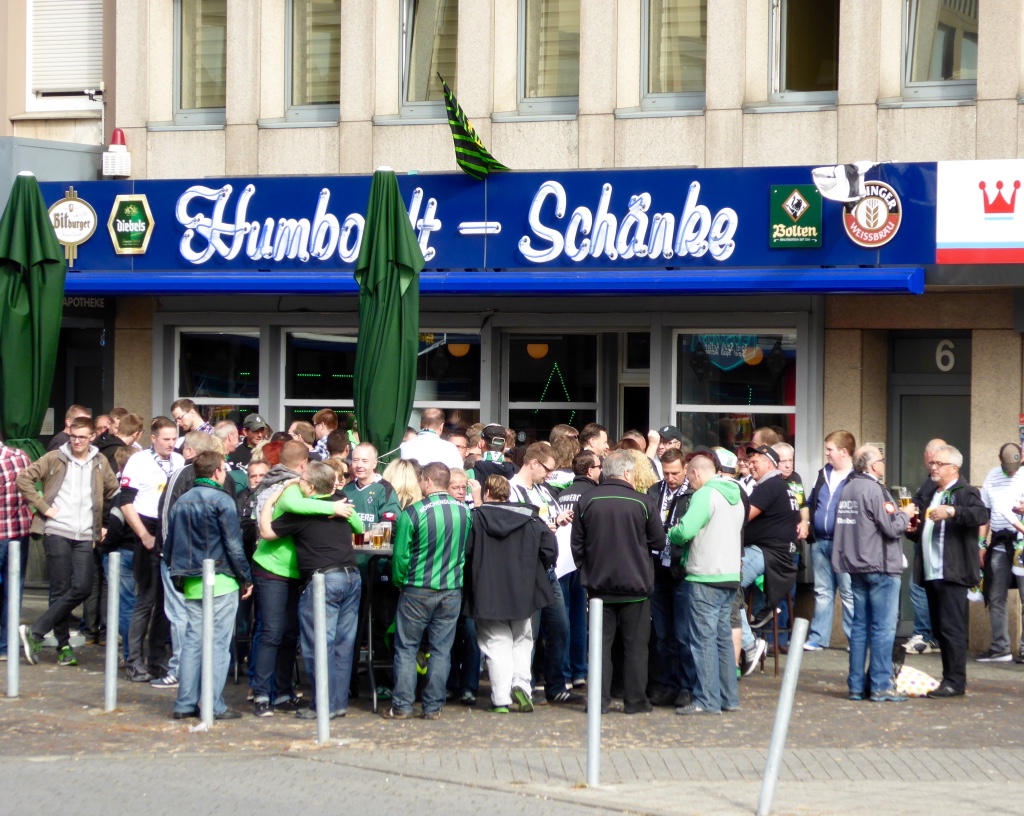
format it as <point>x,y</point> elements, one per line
<point>643,471</point>
<point>404,476</point>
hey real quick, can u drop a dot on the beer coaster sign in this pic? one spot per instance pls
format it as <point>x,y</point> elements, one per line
<point>74,221</point>
<point>131,224</point>
<point>795,217</point>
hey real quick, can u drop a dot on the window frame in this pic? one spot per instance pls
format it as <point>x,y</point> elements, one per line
<point>654,102</point>
<point>508,404</point>
<point>248,331</point>
<point>725,408</point>
<point>936,90</point>
<point>328,114</point>
<point>777,60</point>
<point>198,117</point>
<point>538,106</point>
<point>407,109</point>
<point>70,101</point>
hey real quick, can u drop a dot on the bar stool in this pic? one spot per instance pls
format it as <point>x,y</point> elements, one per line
<point>776,630</point>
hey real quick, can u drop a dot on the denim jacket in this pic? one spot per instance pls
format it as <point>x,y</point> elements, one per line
<point>204,524</point>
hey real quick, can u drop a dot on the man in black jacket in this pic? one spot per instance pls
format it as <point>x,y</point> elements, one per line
<point>946,561</point>
<point>614,532</point>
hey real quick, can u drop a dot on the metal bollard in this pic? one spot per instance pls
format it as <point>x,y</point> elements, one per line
<point>13,616</point>
<point>323,692</point>
<point>113,609</point>
<point>594,693</point>
<point>206,674</point>
<point>782,715</point>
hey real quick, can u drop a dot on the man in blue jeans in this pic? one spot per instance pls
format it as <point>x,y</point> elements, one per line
<point>828,488</point>
<point>323,545</point>
<point>203,524</point>
<point>428,565</point>
<point>868,547</point>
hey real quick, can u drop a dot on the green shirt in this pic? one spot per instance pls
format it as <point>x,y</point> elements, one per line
<point>192,588</point>
<point>278,556</point>
<point>372,501</point>
<point>430,544</point>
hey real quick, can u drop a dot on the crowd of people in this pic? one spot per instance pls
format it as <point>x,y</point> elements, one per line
<point>496,551</point>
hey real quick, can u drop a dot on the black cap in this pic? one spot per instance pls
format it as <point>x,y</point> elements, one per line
<point>670,432</point>
<point>764,450</point>
<point>495,435</point>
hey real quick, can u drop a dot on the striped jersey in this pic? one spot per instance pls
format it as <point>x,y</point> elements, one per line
<point>430,543</point>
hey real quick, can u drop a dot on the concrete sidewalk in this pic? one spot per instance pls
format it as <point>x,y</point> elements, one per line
<point>923,756</point>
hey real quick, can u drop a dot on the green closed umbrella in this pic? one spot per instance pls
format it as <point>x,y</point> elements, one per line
<point>32,271</point>
<point>387,272</point>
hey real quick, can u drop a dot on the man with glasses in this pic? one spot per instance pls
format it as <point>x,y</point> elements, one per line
<point>186,416</point>
<point>527,487</point>
<point>923,641</point>
<point>946,561</point>
<point>76,481</point>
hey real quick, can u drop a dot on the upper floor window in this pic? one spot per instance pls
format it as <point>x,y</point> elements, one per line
<point>675,35</point>
<point>314,66</point>
<point>65,59</point>
<point>805,51</point>
<point>549,56</point>
<point>200,33</point>
<point>940,49</point>
<point>430,34</point>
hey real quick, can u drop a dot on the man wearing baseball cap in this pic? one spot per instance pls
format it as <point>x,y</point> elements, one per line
<point>770,533</point>
<point>665,438</point>
<point>255,429</point>
<point>492,459</point>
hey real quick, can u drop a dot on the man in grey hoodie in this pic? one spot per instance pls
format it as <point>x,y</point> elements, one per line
<point>711,534</point>
<point>76,481</point>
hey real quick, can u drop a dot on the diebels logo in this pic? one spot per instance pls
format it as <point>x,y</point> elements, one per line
<point>130,224</point>
<point>875,219</point>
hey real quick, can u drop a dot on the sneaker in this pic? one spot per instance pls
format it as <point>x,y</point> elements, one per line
<point>250,697</point>
<point>3,657</point>
<point>693,708</point>
<point>184,715</point>
<point>684,699</point>
<point>917,645</point>
<point>261,708</point>
<point>887,696</point>
<point>854,697</point>
<point>293,703</point>
<point>392,714</point>
<point>33,645</point>
<point>168,681</point>
<point>134,674</point>
<point>763,619</point>
<point>497,709</point>
<point>579,682</point>
<point>522,700</point>
<point>467,698</point>
<point>813,647</point>
<point>664,697</point>
<point>66,657</point>
<point>563,696</point>
<point>432,715</point>
<point>1019,659</point>
<point>933,645</point>
<point>754,655</point>
<point>992,656</point>
<point>228,714</point>
<point>643,708</point>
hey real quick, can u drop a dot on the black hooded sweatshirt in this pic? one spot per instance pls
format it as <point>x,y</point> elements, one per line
<point>508,555</point>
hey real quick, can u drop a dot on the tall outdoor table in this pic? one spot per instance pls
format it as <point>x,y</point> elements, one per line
<point>376,555</point>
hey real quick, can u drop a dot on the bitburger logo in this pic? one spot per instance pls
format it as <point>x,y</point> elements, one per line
<point>875,219</point>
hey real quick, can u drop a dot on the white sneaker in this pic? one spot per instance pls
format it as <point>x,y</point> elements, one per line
<point>913,646</point>
<point>754,655</point>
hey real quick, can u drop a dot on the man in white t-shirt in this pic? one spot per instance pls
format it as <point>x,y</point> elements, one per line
<point>143,480</point>
<point>428,446</point>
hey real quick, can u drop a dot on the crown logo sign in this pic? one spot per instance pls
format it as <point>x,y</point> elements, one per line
<point>997,206</point>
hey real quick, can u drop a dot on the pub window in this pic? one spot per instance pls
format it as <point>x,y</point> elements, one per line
<point>940,49</point>
<point>430,34</point>
<point>805,51</point>
<point>313,64</point>
<point>549,56</point>
<point>552,379</point>
<point>731,382</point>
<point>673,67</point>
<point>220,372</point>
<point>200,39</point>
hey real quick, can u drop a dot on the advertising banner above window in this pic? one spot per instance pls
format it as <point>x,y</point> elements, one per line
<point>599,231</point>
<point>979,218</point>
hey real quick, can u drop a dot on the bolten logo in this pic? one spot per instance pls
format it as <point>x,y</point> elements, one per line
<point>875,219</point>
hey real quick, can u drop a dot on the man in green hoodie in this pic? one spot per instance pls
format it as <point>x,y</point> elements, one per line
<point>710,535</point>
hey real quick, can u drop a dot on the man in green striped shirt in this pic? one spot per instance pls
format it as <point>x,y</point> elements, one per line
<point>430,554</point>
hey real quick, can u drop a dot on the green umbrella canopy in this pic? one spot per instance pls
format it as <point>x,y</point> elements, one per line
<point>32,271</point>
<point>387,272</point>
